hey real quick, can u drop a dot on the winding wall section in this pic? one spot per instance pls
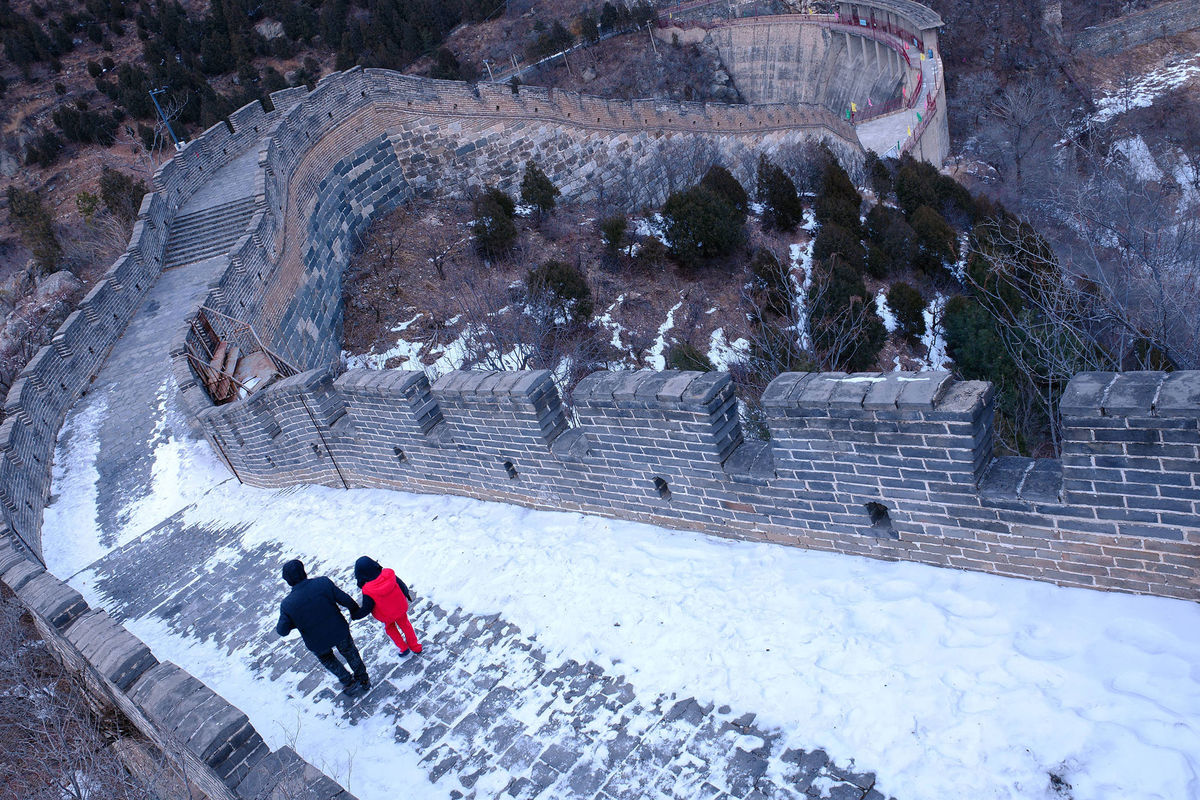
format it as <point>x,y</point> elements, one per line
<point>882,465</point>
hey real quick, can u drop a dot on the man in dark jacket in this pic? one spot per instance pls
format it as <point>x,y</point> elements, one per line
<point>312,607</point>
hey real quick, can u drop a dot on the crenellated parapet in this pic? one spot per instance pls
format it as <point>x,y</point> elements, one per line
<point>1131,451</point>
<point>882,465</point>
<point>892,465</point>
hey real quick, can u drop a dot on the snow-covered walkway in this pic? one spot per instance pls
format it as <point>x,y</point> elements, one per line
<point>576,657</point>
<point>570,656</point>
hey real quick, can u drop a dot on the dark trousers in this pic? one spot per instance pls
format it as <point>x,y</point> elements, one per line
<point>350,653</point>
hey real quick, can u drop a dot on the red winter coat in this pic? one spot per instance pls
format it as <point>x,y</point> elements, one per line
<point>390,602</point>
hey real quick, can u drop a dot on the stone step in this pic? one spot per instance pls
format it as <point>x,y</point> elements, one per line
<point>207,232</point>
<point>193,224</point>
<point>197,219</point>
<point>218,230</point>
<point>215,242</point>
<point>215,226</point>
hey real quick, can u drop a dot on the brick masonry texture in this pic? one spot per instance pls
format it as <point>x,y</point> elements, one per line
<point>215,746</point>
<point>1131,30</point>
<point>887,466</point>
<point>892,466</point>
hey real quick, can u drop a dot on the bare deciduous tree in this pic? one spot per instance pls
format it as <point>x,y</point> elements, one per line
<point>785,342</point>
<point>520,327</point>
<point>1120,290</point>
<point>1023,123</point>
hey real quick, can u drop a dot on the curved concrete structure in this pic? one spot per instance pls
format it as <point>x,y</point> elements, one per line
<point>876,64</point>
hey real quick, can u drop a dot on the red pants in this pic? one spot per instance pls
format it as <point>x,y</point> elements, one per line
<point>402,633</point>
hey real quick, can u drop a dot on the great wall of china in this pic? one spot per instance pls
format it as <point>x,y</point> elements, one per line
<point>889,466</point>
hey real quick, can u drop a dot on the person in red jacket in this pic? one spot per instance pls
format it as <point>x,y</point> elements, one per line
<point>387,598</point>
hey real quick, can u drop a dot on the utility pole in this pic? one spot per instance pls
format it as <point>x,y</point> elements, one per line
<point>488,64</point>
<point>652,44</point>
<point>154,93</point>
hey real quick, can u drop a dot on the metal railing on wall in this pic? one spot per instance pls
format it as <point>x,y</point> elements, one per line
<point>215,344</point>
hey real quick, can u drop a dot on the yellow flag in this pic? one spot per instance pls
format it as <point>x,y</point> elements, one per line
<point>910,130</point>
<point>854,107</point>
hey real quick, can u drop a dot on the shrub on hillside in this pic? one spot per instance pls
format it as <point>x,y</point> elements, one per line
<point>589,29</point>
<point>555,40</point>
<point>918,183</point>
<point>972,340</point>
<point>892,241</point>
<point>564,287</point>
<point>847,334</point>
<point>538,190</point>
<point>936,241</point>
<point>493,229</point>
<point>834,240</point>
<point>777,192</point>
<point>722,182</point>
<point>651,254</point>
<point>683,356</point>
<point>44,149</point>
<point>501,199</point>
<point>838,202</point>
<point>978,350</point>
<point>701,225</point>
<point>122,195</point>
<point>79,124</point>
<point>446,66</point>
<point>881,173</point>
<point>34,224</point>
<point>612,230</point>
<point>908,306</point>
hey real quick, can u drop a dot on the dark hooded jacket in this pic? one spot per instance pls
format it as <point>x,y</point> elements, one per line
<point>312,606</point>
<point>366,570</point>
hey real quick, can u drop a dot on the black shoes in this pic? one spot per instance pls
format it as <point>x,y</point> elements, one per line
<point>356,688</point>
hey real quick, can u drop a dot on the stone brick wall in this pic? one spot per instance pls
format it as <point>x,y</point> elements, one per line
<point>792,60</point>
<point>1165,19</point>
<point>885,466</point>
<point>892,466</point>
<point>217,749</point>
<point>365,140</point>
<point>221,754</point>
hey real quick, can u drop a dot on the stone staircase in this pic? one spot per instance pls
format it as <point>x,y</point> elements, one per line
<point>207,232</point>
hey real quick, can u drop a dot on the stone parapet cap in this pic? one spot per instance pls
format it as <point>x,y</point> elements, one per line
<point>1132,394</point>
<point>380,381</point>
<point>934,391</point>
<point>482,384</point>
<point>55,601</point>
<point>688,390</point>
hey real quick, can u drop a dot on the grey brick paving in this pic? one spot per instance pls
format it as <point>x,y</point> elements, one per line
<point>128,393</point>
<point>483,706</point>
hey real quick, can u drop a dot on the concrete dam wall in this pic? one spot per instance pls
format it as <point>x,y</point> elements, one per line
<point>793,61</point>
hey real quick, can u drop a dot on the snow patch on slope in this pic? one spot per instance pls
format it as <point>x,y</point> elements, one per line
<point>1142,91</point>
